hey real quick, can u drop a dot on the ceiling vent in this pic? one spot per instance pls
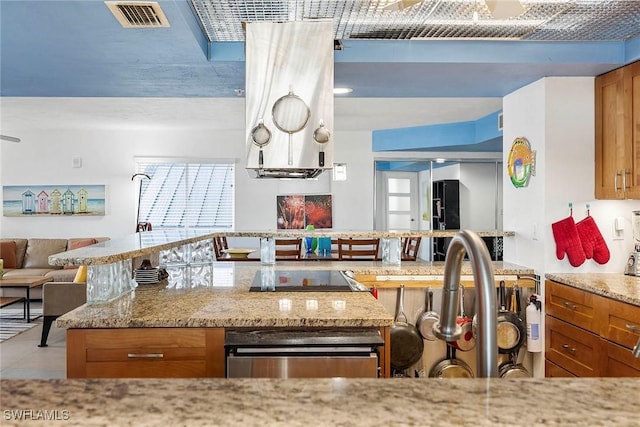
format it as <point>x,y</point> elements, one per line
<point>138,14</point>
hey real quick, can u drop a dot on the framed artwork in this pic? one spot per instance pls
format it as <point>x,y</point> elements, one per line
<point>299,211</point>
<point>48,200</point>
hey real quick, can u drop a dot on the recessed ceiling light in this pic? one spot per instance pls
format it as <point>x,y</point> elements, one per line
<point>341,90</point>
<point>440,160</point>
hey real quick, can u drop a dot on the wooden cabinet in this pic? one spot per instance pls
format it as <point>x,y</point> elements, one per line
<point>587,335</point>
<point>145,353</point>
<point>572,305</point>
<point>572,348</point>
<point>617,133</point>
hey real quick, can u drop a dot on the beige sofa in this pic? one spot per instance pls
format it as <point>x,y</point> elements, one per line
<point>31,258</point>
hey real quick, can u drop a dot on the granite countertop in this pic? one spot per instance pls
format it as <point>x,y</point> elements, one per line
<point>324,402</point>
<point>151,242</point>
<point>225,301</point>
<point>612,285</point>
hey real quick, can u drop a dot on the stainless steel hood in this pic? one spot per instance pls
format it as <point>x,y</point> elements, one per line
<point>289,98</point>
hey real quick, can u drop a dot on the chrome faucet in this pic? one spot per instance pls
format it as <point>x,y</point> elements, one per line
<point>447,329</point>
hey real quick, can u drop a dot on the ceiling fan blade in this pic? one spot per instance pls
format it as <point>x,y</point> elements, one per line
<point>9,138</point>
<point>504,9</point>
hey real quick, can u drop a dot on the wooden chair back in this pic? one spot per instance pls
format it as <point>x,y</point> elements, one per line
<point>143,226</point>
<point>288,248</point>
<point>358,249</point>
<point>219,244</point>
<point>410,248</point>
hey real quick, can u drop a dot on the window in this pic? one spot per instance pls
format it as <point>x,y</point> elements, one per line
<point>186,195</point>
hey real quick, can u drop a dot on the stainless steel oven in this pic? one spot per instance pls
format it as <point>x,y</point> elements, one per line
<point>324,353</point>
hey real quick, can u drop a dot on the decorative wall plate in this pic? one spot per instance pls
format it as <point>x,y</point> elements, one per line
<point>521,163</point>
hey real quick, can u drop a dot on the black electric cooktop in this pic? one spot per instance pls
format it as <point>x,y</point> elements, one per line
<point>274,280</point>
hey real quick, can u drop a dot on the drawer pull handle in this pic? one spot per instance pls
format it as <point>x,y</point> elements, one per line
<point>145,355</point>
<point>633,328</point>
<point>569,305</point>
<point>571,350</point>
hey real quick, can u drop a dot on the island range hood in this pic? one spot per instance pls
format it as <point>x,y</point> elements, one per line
<point>289,98</point>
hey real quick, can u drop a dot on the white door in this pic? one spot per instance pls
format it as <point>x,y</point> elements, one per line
<point>401,200</point>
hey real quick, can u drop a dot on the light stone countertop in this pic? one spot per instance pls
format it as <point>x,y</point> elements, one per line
<point>612,285</point>
<point>227,301</point>
<point>151,242</point>
<point>324,402</point>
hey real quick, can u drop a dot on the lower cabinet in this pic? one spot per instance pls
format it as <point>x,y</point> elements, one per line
<point>145,353</point>
<point>588,335</point>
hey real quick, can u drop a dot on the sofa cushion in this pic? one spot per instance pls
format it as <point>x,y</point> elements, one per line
<point>8,254</point>
<point>27,272</point>
<point>64,275</point>
<point>21,248</point>
<point>39,250</point>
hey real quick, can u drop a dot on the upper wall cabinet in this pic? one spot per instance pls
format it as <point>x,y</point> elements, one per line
<point>617,156</point>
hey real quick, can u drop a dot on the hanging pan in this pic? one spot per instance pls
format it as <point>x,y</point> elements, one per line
<point>428,318</point>
<point>511,329</point>
<point>467,340</point>
<point>290,114</point>
<point>261,136</point>
<point>321,135</point>
<point>451,367</point>
<point>406,342</point>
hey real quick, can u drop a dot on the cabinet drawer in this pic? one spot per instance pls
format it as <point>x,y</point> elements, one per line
<point>572,348</point>
<point>146,337</point>
<point>145,353</point>
<point>554,371</point>
<point>620,322</point>
<point>571,305</point>
<point>618,361</point>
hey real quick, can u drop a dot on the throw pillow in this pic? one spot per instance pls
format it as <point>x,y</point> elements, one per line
<point>76,244</point>
<point>8,254</point>
<point>81,275</point>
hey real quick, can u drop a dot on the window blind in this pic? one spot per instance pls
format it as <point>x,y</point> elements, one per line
<point>186,195</point>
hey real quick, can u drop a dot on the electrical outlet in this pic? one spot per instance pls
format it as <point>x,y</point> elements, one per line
<point>618,228</point>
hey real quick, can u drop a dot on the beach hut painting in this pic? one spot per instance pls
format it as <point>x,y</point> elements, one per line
<point>49,200</point>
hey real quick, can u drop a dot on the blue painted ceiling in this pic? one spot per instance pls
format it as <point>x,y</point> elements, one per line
<point>76,48</point>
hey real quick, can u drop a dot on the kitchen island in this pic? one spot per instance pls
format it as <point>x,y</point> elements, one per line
<point>323,402</point>
<point>225,302</point>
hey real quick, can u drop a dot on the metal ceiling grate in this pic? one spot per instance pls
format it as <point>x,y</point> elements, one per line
<point>138,14</point>
<point>567,20</point>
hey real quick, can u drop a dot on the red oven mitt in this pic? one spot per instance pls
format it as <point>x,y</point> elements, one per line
<point>593,243</point>
<point>567,240</point>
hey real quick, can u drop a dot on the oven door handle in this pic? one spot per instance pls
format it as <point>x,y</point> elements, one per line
<point>302,350</point>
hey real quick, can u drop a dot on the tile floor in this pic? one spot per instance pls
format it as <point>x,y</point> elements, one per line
<point>20,356</point>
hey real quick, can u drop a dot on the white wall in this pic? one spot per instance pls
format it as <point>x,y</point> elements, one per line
<point>108,149</point>
<point>556,115</point>
<point>478,196</point>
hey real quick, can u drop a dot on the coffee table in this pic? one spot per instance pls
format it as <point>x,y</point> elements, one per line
<point>26,283</point>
